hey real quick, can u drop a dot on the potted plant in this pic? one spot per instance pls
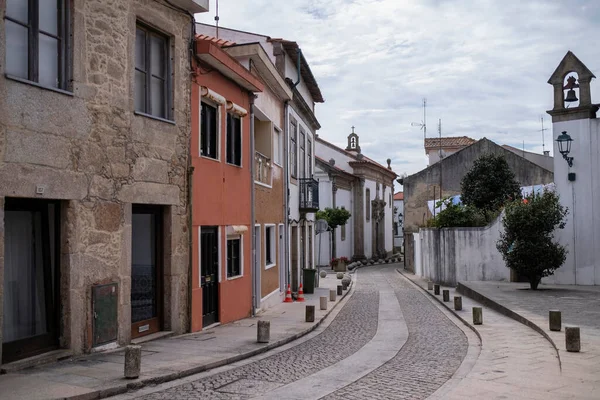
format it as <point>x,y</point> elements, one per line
<point>339,264</point>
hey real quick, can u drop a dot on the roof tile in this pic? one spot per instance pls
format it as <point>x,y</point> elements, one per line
<point>449,141</point>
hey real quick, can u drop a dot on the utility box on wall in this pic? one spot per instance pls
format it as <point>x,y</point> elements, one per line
<point>104,307</point>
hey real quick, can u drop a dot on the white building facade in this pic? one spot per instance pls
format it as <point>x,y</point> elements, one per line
<point>350,180</point>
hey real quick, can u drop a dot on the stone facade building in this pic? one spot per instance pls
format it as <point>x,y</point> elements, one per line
<point>424,186</point>
<point>349,179</point>
<point>94,138</point>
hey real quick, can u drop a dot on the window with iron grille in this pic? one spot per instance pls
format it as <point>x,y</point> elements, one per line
<point>234,139</point>
<point>37,41</point>
<point>152,73</point>
<point>293,148</point>
<point>234,264</point>
<point>209,138</point>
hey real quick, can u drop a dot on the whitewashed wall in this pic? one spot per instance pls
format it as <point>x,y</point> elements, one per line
<point>582,232</point>
<point>345,248</point>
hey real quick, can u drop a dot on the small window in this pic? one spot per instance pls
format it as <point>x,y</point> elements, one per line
<point>277,146</point>
<point>37,35</point>
<point>234,263</point>
<point>234,139</point>
<point>270,245</point>
<point>293,148</point>
<point>309,152</point>
<point>343,230</point>
<point>152,75</point>
<point>368,203</point>
<point>302,153</point>
<point>208,131</point>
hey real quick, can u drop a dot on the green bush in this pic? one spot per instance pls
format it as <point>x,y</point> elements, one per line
<point>527,244</point>
<point>457,215</point>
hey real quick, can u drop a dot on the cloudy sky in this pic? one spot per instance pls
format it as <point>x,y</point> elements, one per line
<point>482,65</point>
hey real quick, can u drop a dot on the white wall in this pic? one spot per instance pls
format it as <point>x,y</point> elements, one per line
<point>291,72</point>
<point>582,231</point>
<point>345,248</point>
<point>341,160</point>
<point>450,255</point>
<point>325,200</point>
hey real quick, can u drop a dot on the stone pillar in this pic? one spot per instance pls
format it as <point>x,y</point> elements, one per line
<point>446,294</point>
<point>263,331</point>
<point>133,361</point>
<point>310,313</point>
<point>323,301</point>
<point>332,295</point>
<point>572,339</point>
<point>436,289</point>
<point>477,316</point>
<point>429,285</point>
<point>555,320</point>
<point>457,303</point>
<point>339,290</point>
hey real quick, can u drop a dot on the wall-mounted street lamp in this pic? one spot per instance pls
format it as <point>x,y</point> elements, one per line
<point>564,147</point>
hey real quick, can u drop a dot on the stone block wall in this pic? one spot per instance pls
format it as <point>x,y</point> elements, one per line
<point>92,151</point>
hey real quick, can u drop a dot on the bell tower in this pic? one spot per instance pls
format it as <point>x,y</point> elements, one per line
<point>353,144</point>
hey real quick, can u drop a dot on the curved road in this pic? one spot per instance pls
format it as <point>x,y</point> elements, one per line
<point>387,341</point>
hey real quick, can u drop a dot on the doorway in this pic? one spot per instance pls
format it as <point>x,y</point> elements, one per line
<point>209,274</point>
<point>282,268</point>
<point>294,257</point>
<point>31,278</point>
<point>146,270</point>
<point>257,266</point>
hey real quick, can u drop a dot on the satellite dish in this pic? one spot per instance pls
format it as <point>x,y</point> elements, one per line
<point>322,226</point>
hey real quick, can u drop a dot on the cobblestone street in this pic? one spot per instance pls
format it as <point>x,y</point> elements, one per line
<point>433,351</point>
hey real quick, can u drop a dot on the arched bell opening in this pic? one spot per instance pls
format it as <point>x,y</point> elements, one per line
<point>571,92</point>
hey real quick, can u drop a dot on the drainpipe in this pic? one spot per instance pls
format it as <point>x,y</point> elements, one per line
<point>252,213</point>
<point>286,188</point>
<point>299,56</point>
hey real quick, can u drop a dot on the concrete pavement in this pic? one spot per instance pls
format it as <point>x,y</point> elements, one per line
<point>100,375</point>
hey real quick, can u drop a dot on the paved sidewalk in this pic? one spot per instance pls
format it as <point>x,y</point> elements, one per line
<point>517,362</point>
<point>101,375</point>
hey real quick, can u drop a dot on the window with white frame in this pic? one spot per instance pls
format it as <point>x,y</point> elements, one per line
<point>209,132</point>
<point>270,246</point>
<point>309,160</point>
<point>277,146</point>
<point>293,148</point>
<point>302,141</point>
<point>37,41</point>
<point>234,257</point>
<point>234,139</point>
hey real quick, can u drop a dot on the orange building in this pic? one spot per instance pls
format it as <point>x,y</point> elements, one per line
<point>222,96</point>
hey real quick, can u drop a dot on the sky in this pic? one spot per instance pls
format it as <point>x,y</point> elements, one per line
<point>482,65</point>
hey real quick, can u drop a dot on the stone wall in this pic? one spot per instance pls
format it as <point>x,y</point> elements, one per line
<point>92,151</point>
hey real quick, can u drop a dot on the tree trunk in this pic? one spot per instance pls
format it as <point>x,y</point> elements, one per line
<point>533,283</point>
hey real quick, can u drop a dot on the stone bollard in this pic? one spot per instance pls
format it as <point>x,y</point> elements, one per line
<point>310,313</point>
<point>339,290</point>
<point>332,295</point>
<point>457,303</point>
<point>345,284</point>
<point>263,331</point>
<point>555,320</point>
<point>323,301</point>
<point>340,275</point>
<point>429,285</point>
<point>446,294</point>
<point>133,361</point>
<point>572,339</point>
<point>436,289</point>
<point>323,274</point>
<point>477,316</point>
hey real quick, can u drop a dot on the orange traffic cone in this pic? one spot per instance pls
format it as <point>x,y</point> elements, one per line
<point>288,295</point>
<point>300,294</point>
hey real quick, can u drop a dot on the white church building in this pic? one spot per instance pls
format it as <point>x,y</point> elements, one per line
<point>350,180</point>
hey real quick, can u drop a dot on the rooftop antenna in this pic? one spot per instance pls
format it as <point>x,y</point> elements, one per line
<point>423,123</point>
<point>217,19</point>
<point>542,130</point>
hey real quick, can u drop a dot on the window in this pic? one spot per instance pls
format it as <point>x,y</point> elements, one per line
<point>277,146</point>
<point>208,131</point>
<point>152,85</point>
<point>234,139</point>
<point>396,229</point>
<point>37,35</point>
<point>368,203</point>
<point>309,149</point>
<point>234,263</point>
<point>343,228</point>
<point>302,153</point>
<point>269,246</point>
<point>293,148</point>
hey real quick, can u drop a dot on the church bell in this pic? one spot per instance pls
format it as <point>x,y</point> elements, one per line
<point>571,96</point>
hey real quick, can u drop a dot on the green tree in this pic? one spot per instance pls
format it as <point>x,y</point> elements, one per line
<point>527,244</point>
<point>489,184</point>
<point>457,215</point>
<point>335,217</point>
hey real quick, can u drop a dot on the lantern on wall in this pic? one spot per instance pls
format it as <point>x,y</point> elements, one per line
<point>564,146</point>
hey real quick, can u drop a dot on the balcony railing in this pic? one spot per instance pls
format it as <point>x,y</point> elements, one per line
<point>309,195</point>
<point>263,168</point>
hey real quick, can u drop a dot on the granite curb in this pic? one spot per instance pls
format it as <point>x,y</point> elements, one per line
<point>486,301</point>
<point>136,385</point>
